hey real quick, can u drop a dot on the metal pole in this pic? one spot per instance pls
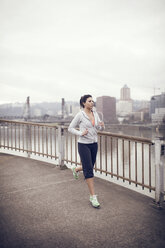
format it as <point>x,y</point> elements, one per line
<point>28,143</point>
<point>61,147</point>
<point>162,172</point>
<point>26,115</point>
<point>159,172</point>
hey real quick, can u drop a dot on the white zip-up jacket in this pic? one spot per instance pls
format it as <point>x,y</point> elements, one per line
<point>82,121</point>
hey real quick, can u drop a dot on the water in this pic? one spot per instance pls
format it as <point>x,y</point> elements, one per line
<point>149,132</point>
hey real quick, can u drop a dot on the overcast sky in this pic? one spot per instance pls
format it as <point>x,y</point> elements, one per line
<point>51,49</point>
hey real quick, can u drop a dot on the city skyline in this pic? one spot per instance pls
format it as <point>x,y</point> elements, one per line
<point>70,101</point>
<point>77,101</point>
<point>65,49</point>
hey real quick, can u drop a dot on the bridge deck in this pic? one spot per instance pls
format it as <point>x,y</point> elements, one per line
<point>43,206</point>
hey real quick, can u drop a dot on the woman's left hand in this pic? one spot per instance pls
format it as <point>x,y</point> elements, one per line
<point>101,124</point>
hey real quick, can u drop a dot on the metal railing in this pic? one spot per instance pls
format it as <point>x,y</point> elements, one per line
<point>122,157</point>
<point>32,138</point>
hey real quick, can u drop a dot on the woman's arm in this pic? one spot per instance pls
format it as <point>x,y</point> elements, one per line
<point>75,123</point>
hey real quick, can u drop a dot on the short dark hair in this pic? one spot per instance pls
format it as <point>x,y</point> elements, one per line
<point>83,100</point>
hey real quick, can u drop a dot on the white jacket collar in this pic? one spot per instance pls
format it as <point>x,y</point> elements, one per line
<point>83,112</point>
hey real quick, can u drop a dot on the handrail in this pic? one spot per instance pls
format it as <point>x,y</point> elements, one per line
<point>123,136</point>
<point>29,123</point>
<point>128,137</point>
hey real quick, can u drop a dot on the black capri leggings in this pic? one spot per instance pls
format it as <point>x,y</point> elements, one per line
<point>88,154</point>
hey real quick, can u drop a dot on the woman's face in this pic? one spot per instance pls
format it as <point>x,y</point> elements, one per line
<point>89,103</point>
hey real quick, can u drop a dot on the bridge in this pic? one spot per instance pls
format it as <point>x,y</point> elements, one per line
<point>43,206</point>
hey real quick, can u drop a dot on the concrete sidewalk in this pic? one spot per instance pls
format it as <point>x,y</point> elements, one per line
<point>42,206</point>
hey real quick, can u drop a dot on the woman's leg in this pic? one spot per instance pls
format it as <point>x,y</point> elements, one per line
<point>90,183</point>
<point>86,160</point>
<point>87,154</point>
<point>78,168</point>
<point>94,149</point>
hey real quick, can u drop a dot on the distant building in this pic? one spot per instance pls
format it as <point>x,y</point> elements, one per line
<point>139,105</point>
<point>157,108</point>
<point>124,105</point>
<point>72,109</point>
<point>157,101</point>
<point>106,108</point>
<point>125,93</point>
<point>37,112</point>
<point>142,115</point>
<point>158,116</point>
<point>124,108</point>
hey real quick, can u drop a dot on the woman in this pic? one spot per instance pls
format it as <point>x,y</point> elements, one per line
<point>88,122</point>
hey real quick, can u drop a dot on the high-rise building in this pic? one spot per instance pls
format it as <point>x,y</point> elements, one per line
<point>125,93</point>
<point>157,101</point>
<point>124,105</point>
<point>106,108</point>
<point>157,108</point>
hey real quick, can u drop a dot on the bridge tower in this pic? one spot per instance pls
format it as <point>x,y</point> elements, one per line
<point>26,112</point>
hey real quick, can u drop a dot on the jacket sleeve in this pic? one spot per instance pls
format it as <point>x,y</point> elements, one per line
<point>75,123</point>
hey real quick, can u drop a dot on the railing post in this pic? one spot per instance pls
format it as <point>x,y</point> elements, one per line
<point>159,172</point>
<point>28,140</point>
<point>61,147</point>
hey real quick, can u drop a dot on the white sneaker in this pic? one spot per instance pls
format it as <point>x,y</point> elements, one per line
<point>94,201</point>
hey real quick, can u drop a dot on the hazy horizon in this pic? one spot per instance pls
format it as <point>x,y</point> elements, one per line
<point>66,101</point>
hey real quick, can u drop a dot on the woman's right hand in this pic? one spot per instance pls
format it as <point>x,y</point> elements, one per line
<point>85,132</point>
